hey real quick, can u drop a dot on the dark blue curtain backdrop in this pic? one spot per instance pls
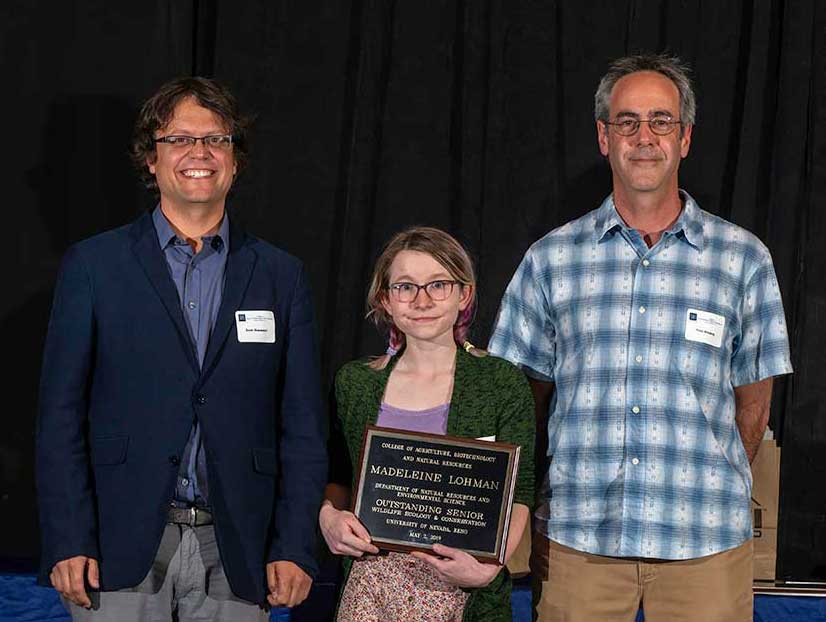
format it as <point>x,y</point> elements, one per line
<point>472,115</point>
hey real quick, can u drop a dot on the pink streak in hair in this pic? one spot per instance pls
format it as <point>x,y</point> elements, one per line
<point>395,341</point>
<point>460,328</point>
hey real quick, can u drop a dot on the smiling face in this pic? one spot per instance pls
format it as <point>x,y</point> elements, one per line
<point>197,175</point>
<point>644,162</point>
<point>424,319</point>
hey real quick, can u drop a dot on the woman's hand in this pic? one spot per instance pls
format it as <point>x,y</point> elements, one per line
<point>459,568</point>
<point>343,532</point>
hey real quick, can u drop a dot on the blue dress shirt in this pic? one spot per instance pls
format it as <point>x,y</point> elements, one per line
<point>199,279</point>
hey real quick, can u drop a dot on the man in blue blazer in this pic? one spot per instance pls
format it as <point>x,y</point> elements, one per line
<point>180,440</point>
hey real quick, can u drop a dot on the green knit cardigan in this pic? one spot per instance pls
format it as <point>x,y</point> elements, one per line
<point>491,397</point>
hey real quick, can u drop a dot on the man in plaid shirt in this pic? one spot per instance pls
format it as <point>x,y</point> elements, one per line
<point>651,331</point>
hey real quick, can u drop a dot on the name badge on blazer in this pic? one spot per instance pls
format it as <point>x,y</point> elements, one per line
<point>255,326</point>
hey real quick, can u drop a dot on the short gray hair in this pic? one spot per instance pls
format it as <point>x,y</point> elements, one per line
<point>669,66</point>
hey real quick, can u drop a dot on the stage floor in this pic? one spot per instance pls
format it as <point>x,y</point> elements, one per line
<point>21,600</point>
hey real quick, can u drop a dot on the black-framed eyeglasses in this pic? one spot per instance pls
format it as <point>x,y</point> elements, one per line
<point>217,142</point>
<point>628,126</point>
<point>408,292</point>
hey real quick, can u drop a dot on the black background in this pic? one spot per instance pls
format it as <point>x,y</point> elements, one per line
<point>474,116</point>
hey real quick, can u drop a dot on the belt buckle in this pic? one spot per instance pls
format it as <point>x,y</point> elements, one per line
<point>193,516</point>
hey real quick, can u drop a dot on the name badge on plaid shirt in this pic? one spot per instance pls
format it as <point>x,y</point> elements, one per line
<point>705,327</point>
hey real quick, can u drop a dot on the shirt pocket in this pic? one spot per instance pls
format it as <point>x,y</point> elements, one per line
<point>700,366</point>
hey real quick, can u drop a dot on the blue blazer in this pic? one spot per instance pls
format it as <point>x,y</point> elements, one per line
<point>121,387</point>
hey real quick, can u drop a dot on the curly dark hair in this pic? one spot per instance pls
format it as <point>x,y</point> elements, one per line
<point>157,111</point>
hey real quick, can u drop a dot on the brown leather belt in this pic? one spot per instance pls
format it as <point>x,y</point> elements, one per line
<point>194,517</point>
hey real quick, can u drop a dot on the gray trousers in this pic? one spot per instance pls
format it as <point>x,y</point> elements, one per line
<point>186,583</point>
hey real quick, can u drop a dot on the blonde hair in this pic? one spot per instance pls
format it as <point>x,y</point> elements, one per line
<point>446,250</point>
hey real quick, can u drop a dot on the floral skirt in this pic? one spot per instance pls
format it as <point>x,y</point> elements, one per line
<point>396,586</point>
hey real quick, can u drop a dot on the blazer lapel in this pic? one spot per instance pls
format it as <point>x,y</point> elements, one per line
<point>150,256</point>
<point>240,263</point>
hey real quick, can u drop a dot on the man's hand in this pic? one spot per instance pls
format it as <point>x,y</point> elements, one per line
<point>459,568</point>
<point>67,578</point>
<point>289,585</point>
<point>343,532</point>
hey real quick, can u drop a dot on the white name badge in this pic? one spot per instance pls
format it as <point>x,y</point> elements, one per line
<point>705,327</point>
<point>255,326</point>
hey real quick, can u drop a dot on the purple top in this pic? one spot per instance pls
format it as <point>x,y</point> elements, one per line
<point>433,420</point>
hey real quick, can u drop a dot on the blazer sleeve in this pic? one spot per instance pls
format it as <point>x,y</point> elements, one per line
<point>65,495</point>
<point>302,448</point>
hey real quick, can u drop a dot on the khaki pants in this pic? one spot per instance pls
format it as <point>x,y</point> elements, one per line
<point>571,586</point>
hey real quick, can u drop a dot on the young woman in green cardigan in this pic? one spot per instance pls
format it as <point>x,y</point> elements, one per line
<point>423,292</point>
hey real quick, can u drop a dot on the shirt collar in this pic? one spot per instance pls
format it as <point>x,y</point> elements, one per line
<point>166,234</point>
<point>689,224</point>
<point>607,219</point>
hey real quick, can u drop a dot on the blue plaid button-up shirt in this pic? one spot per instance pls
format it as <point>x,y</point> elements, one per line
<point>645,347</point>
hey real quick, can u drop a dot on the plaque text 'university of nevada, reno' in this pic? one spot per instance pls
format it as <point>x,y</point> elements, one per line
<point>415,489</point>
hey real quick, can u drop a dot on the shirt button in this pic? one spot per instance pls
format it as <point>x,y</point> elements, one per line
<point>642,309</point>
<point>191,305</point>
<point>646,263</point>
<point>638,358</point>
<point>635,460</point>
<point>636,410</point>
<point>200,399</point>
